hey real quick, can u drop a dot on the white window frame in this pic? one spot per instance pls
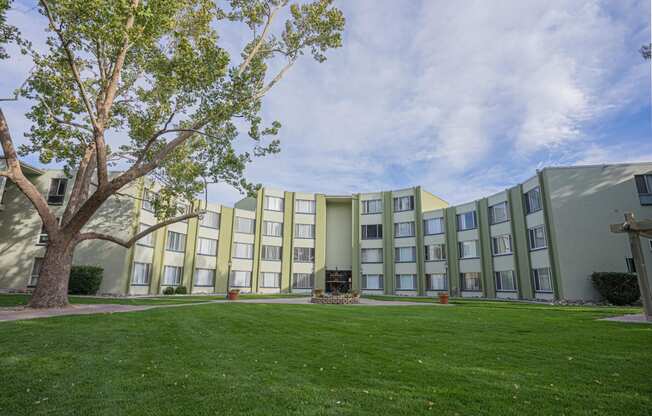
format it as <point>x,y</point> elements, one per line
<point>301,278</point>
<point>464,218</point>
<point>404,229</point>
<point>429,282</point>
<point>309,259</point>
<point>247,247</point>
<point>177,275</point>
<point>201,247</point>
<point>274,276</point>
<point>499,277</point>
<point>431,251</point>
<point>403,203</point>
<point>148,239</point>
<point>273,203</point>
<point>497,244</point>
<point>147,276</point>
<point>492,213</point>
<point>400,251</point>
<point>59,195</point>
<point>364,257</point>
<point>371,206</point>
<point>399,281</point>
<point>273,248</point>
<point>300,204</point>
<point>244,220</point>
<point>436,220</point>
<point>477,276</point>
<point>377,278</point>
<point>215,224</point>
<point>532,239</point>
<point>536,275</point>
<point>364,231</point>
<point>37,263</point>
<point>461,251</point>
<point>236,277</point>
<point>198,272</point>
<point>178,238</point>
<point>299,229</point>
<point>147,201</point>
<point>269,228</point>
<point>533,200</point>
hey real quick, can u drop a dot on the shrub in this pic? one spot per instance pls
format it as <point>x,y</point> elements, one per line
<point>85,280</point>
<point>168,291</point>
<point>181,290</point>
<point>617,288</point>
<point>318,293</point>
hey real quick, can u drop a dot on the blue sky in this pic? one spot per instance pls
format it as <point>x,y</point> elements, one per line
<point>464,98</point>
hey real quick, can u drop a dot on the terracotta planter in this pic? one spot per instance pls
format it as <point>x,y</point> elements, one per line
<point>443,298</point>
<point>232,295</point>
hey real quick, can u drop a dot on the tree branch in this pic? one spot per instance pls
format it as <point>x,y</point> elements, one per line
<point>270,18</point>
<point>276,79</point>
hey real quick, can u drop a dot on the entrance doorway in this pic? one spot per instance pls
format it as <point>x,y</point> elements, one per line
<point>338,281</point>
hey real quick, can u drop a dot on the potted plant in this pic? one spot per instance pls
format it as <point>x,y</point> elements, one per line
<point>233,294</point>
<point>318,293</point>
<point>443,298</point>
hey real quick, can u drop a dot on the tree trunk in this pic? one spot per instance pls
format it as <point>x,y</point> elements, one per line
<point>52,287</point>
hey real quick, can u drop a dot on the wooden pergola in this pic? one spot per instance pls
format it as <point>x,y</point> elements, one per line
<point>635,230</point>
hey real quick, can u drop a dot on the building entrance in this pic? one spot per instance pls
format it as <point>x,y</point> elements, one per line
<point>338,281</point>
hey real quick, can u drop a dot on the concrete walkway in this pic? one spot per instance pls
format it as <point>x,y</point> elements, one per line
<point>20,313</point>
<point>632,319</point>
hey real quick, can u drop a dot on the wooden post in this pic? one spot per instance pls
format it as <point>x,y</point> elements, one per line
<point>634,231</point>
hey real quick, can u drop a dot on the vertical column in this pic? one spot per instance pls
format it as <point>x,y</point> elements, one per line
<point>157,261</point>
<point>388,242</point>
<point>519,236</point>
<point>452,254</point>
<point>551,235</point>
<point>224,250</point>
<point>258,230</point>
<point>191,247</point>
<point>135,227</point>
<point>488,284</point>
<point>355,243</point>
<point>288,238</point>
<point>418,218</point>
<point>320,243</point>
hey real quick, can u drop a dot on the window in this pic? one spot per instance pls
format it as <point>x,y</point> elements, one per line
<point>403,203</point>
<point>372,231</point>
<point>244,225</point>
<point>148,201</point>
<point>436,281</point>
<point>243,251</point>
<point>302,280</point>
<point>304,206</point>
<point>176,241</point>
<point>542,280</point>
<point>172,275</point>
<point>272,253</point>
<point>505,281</point>
<point>650,241</point>
<point>533,200</point>
<point>435,252</point>
<point>206,246</point>
<point>147,240</point>
<point>273,229</point>
<point>404,229</point>
<point>142,273</point>
<point>371,206</point>
<point>273,203</point>
<point>43,236</point>
<point>405,254</point>
<point>304,254</point>
<point>3,183</point>
<point>57,191</point>
<point>406,282</point>
<point>537,237</point>
<point>644,188</point>
<point>36,270</point>
<point>204,277</point>
<point>631,266</point>
<point>240,278</point>
<point>304,231</point>
<point>501,244</point>
<point>466,221</point>
<point>471,281</point>
<point>210,219</point>
<point>270,279</point>
<point>498,213</point>
<point>371,255</point>
<point>372,281</point>
<point>468,249</point>
<point>433,226</point>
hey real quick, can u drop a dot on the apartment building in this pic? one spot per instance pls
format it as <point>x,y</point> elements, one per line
<point>540,239</point>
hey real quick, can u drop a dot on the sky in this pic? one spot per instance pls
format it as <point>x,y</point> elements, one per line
<point>465,98</point>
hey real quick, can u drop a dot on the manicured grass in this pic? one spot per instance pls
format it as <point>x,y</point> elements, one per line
<point>256,359</point>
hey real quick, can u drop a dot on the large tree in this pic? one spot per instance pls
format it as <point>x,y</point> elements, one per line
<point>149,86</point>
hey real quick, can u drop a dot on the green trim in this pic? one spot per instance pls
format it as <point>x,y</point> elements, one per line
<point>452,255</point>
<point>258,227</point>
<point>224,249</point>
<point>355,244</point>
<point>519,237</point>
<point>551,235</point>
<point>489,284</point>
<point>388,242</point>
<point>320,243</point>
<point>288,238</point>
<point>157,261</point>
<point>421,277</point>
<point>135,226</point>
<point>191,248</point>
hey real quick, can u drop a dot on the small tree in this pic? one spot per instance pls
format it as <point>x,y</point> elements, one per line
<point>156,71</point>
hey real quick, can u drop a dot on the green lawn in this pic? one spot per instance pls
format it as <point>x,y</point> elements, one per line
<point>472,358</point>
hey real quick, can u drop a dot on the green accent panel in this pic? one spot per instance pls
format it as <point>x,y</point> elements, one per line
<point>191,248</point>
<point>288,238</point>
<point>551,235</point>
<point>320,243</point>
<point>224,249</point>
<point>135,226</point>
<point>421,277</point>
<point>519,236</point>
<point>489,284</point>
<point>452,255</point>
<point>388,242</point>
<point>257,237</point>
<point>355,243</point>
<point>157,262</point>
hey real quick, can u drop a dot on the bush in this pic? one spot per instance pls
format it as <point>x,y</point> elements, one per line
<point>168,290</point>
<point>181,290</point>
<point>617,288</point>
<point>85,280</point>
